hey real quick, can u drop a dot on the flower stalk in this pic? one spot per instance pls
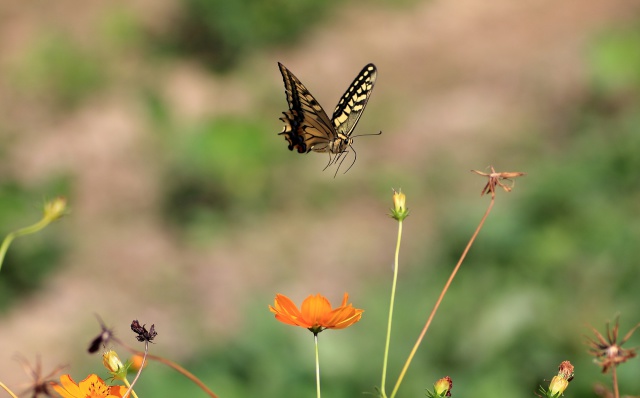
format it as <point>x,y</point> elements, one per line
<point>315,339</point>
<point>53,210</point>
<point>398,213</point>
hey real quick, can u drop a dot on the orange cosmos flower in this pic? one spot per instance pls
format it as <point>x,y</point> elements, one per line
<point>316,313</point>
<point>91,387</point>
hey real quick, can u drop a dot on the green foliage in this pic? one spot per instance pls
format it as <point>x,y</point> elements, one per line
<point>615,59</point>
<point>220,174</point>
<point>121,30</point>
<point>59,71</point>
<point>221,32</point>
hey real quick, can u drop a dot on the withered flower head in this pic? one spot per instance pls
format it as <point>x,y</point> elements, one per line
<point>565,370</point>
<point>608,352</point>
<point>39,383</point>
<point>142,333</point>
<point>496,178</point>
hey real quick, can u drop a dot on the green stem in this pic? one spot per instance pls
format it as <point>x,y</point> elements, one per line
<point>391,305</point>
<point>24,231</point>
<point>315,338</point>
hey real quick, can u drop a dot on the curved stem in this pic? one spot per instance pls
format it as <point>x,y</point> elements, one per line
<point>444,291</point>
<point>23,231</point>
<point>5,246</point>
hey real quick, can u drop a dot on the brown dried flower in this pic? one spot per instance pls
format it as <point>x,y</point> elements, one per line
<point>608,352</point>
<point>142,333</point>
<point>496,178</point>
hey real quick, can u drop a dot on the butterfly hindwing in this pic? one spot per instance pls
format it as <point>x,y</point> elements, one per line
<point>307,126</point>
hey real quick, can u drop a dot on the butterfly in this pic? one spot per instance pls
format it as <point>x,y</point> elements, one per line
<point>308,128</point>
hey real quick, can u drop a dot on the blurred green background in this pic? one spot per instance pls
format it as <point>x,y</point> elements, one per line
<point>159,122</point>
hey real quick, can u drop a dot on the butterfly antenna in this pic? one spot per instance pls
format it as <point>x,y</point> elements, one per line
<point>364,135</point>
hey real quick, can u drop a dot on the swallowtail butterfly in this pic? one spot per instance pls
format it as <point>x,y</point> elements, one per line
<point>307,126</point>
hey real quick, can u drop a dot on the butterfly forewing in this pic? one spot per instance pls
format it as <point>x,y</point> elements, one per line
<point>307,126</point>
<point>353,101</point>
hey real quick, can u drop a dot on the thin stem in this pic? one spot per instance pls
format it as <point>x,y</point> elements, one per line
<point>5,246</point>
<point>144,359</point>
<point>315,338</point>
<point>616,393</point>
<point>24,231</point>
<point>391,305</point>
<point>444,290</point>
<point>126,383</point>
<point>8,390</point>
<point>172,365</point>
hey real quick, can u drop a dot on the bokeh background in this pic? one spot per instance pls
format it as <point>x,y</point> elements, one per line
<point>158,121</point>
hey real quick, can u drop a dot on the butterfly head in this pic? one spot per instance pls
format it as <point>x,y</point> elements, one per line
<point>340,144</point>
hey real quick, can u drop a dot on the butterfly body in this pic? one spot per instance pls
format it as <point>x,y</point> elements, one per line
<point>308,127</point>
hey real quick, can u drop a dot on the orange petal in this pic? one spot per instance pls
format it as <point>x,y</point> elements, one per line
<point>314,308</point>
<point>93,386</point>
<point>345,298</point>
<point>117,391</point>
<point>343,317</point>
<point>68,389</point>
<point>287,312</point>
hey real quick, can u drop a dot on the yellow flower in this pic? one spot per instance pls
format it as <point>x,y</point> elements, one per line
<point>442,387</point>
<point>91,387</point>
<point>560,382</point>
<point>399,211</point>
<point>316,313</point>
<point>55,209</point>
<point>112,362</point>
<point>558,385</point>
